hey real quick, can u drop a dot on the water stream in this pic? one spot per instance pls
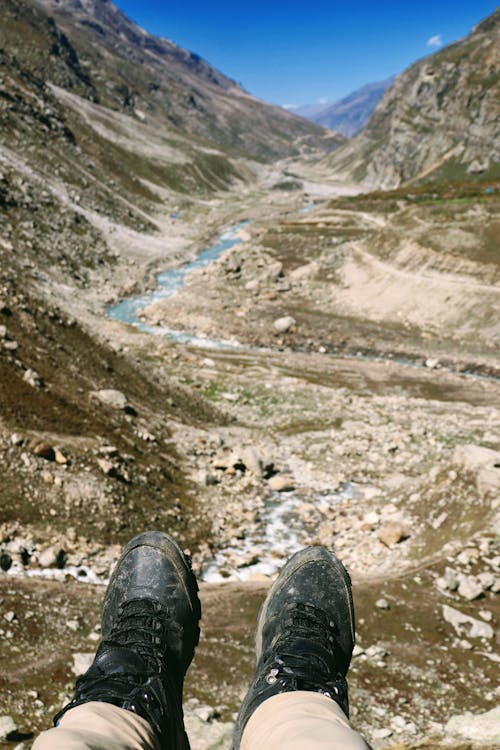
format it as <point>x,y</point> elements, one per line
<point>169,282</point>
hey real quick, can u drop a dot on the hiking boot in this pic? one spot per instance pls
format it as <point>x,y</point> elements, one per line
<point>150,629</point>
<point>305,633</point>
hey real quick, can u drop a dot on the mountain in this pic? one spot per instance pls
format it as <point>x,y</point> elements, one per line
<point>350,114</point>
<point>441,118</point>
<point>132,71</point>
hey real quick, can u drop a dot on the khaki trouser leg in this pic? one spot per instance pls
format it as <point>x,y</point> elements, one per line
<point>99,726</point>
<point>300,720</point>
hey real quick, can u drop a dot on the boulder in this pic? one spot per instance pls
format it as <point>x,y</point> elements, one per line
<point>42,450</point>
<point>283,325</point>
<point>482,729</point>
<point>110,397</point>
<point>81,662</point>
<point>466,625</point>
<point>33,378</point>
<point>393,533</point>
<point>483,462</point>
<point>280,483</point>
<point>469,587</point>
<point>8,728</point>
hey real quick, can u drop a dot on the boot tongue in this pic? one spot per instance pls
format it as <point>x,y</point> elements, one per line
<point>113,659</point>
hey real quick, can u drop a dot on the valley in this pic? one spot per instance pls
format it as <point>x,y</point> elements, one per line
<point>207,328</point>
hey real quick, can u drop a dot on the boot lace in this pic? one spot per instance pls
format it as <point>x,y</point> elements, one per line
<point>314,666</point>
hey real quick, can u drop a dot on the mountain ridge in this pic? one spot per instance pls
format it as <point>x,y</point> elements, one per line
<point>349,114</point>
<point>439,118</point>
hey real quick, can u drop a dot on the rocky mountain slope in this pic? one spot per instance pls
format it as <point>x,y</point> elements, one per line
<point>350,114</point>
<point>440,118</point>
<point>151,78</point>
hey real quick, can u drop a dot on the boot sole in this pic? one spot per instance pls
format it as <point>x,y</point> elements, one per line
<point>166,544</point>
<point>303,557</point>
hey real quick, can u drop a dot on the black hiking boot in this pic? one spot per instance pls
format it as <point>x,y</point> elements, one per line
<point>150,629</point>
<point>305,633</point>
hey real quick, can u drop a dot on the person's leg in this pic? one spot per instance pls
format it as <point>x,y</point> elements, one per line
<point>298,699</point>
<point>97,725</point>
<point>131,696</point>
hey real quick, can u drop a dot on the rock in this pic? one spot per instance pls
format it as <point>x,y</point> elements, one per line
<point>3,332</point>
<point>60,457</point>
<point>357,651</point>
<point>81,662</point>
<point>487,580</point>
<point>204,712</point>
<point>10,616</point>
<point>110,397</point>
<point>210,480</point>
<point>33,378</point>
<point>5,561</point>
<point>52,557</point>
<point>381,734</point>
<point>371,518</point>
<point>8,727</point>
<point>107,467</point>
<point>480,728</point>
<point>283,325</point>
<point>214,735</point>
<point>465,625</point>
<point>432,364</point>
<point>486,614</point>
<point>449,581</point>
<point>252,460</point>
<point>16,439</point>
<point>382,604</point>
<point>393,533</point>
<point>274,271</point>
<point>72,625</point>
<point>43,450</point>
<point>469,588</point>
<point>280,483</point>
<point>483,462</point>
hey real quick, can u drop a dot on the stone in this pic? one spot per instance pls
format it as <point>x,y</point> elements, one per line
<point>393,533</point>
<point>81,662</point>
<point>281,483</point>
<point>283,325</point>
<point>213,735</point>
<point>480,728</point>
<point>466,625</point>
<point>5,561</point>
<point>33,378</point>
<point>382,734</point>
<point>483,462</point>
<point>107,467</point>
<point>43,450</point>
<point>431,363</point>
<point>8,727</point>
<point>469,587</point>
<point>51,557</point>
<point>3,332</point>
<point>252,460</point>
<point>486,615</point>
<point>60,457</point>
<point>382,604</point>
<point>110,397</point>
<point>486,579</point>
<point>16,439</point>
<point>449,581</point>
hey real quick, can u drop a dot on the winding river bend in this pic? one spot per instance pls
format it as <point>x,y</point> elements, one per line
<point>169,282</point>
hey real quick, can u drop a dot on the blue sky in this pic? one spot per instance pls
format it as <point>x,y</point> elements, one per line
<point>293,53</point>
